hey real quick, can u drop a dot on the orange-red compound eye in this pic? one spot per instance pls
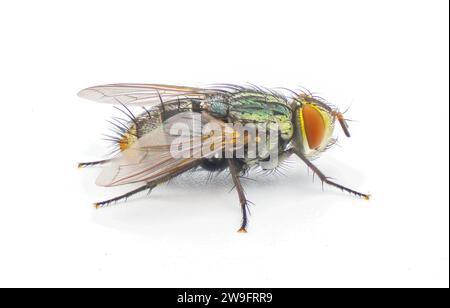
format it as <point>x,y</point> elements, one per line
<point>314,126</point>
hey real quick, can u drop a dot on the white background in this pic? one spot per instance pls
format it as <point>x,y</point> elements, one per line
<point>387,59</point>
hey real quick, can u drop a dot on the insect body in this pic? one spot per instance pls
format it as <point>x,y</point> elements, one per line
<point>229,127</point>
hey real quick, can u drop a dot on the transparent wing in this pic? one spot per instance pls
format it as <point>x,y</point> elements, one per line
<point>140,94</point>
<point>153,157</point>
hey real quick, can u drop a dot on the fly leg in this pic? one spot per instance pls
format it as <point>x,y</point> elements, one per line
<point>149,186</point>
<point>326,180</point>
<point>240,190</point>
<point>93,163</point>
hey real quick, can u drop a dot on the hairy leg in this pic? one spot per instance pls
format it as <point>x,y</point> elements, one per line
<point>149,186</point>
<point>326,180</point>
<point>240,190</point>
<point>93,163</point>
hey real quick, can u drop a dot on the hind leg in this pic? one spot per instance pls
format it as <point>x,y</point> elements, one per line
<point>93,163</point>
<point>148,186</point>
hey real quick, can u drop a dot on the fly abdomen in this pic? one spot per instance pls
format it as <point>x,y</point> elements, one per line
<point>214,164</point>
<point>149,120</point>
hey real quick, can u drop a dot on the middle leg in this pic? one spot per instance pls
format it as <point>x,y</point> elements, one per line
<point>240,190</point>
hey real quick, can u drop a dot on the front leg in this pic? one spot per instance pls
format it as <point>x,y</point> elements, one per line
<point>240,190</point>
<point>326,180</point>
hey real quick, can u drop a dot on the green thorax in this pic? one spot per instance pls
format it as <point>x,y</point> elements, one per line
<point>255,107</point>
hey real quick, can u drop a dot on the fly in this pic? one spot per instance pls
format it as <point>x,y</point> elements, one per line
<point>224,128</point>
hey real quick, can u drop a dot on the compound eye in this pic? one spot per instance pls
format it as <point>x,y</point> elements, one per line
<point>314,126</point>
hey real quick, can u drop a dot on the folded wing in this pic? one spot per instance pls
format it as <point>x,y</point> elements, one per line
<point>152,158</point>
